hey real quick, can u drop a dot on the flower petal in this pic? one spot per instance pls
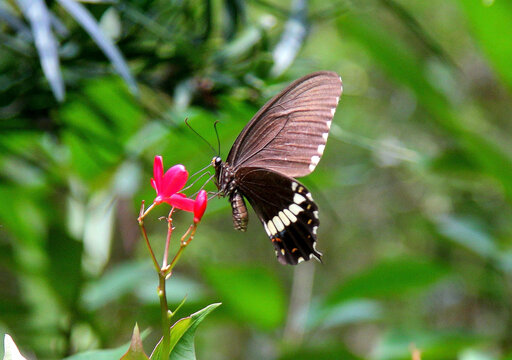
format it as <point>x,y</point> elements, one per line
<point>180,201</point>
<point>174,180</point>
<point>158,171</point>
<point>200,205</point>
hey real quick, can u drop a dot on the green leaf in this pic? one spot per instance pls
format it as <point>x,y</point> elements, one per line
<point>40,21</point>
<point>481,14</point>
<point>117,282</point>
<point>347,312</point>
<point>389,278</point>
<point>64,271</point>
<point>107,354</point>
<point>135,351</point>
<point>325,352</point>
<point>182,343</point>
<point>253,294</point>
<point>405,67</point>
<point>182,336</point>
<point>467,233</point>
<point>137,277</point>
<point>89,23</point>
<point>11,351</point>
<point>292,39</point>
<point>432,345</point>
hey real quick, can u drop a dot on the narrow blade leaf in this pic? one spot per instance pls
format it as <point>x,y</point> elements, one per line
<point>40,21</point>
<point>84,18</point>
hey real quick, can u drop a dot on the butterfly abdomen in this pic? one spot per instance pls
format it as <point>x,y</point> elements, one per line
<point>240,215</point>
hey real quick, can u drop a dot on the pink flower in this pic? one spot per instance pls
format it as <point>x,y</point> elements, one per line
<point>167,186</point>
<point>169,183</point>
<point>182,202</point>
<point>197,206</point>
<point>200,205</point>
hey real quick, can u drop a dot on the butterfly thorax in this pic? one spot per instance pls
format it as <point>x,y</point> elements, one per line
<point>224,176</point>
<point>227,185</point>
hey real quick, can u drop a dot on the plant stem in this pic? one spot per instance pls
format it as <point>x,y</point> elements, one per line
<point>164,309</point>
<point>145,235</point>
<point>190,234</point>
<point>168,240</point>
<point>143,212</point>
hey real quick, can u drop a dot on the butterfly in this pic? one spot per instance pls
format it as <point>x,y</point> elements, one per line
<point>284,140</point>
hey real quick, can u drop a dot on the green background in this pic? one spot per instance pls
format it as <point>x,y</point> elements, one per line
<point>414,188</point>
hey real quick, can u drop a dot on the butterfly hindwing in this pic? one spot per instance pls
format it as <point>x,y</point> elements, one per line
<point>288,135</point>
<point>287,211</point>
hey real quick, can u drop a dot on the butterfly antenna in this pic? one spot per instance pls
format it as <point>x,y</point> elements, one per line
<point>201,137</point>
<point>217,134</point>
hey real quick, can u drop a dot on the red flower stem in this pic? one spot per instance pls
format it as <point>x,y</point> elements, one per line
<point>145,235</point>
<point>143,213</point>
<point>190,234</point>
<point>168,240</point>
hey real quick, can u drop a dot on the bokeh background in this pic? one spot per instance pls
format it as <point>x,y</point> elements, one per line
<point>414,189</point>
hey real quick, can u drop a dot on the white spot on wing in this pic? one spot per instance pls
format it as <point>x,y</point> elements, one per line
<point>284,218</point>
<point>325,135</point>
<point>289,214</point>
<point>298,199</point>
<point>266,229</point>
<point>315,159</point>
<point>278,223</point>
<point>315,214</point>
<point>299,260</point>
<point>271,227</point>
<point>294,186</point>
<point>310,198</point>
<point>337,99</point>
<point>333,110</point>
<point>321,149</point>
<point>312,167</point>
<point>329,124</point>
<point>295,209</point>
<point>315,228</point>
<point>319,253</point>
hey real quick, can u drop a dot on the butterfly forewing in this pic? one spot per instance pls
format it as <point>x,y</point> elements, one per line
<point>286,210</point>
<point>289,133</point>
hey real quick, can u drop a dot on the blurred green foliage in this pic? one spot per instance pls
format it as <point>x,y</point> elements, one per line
<point>415,187</point>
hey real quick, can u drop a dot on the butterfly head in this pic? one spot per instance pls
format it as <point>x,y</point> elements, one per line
<point>217,165</point>
<point>217,162</point>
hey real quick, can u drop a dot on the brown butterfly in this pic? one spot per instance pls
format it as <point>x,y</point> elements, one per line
<point>284,140</point>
